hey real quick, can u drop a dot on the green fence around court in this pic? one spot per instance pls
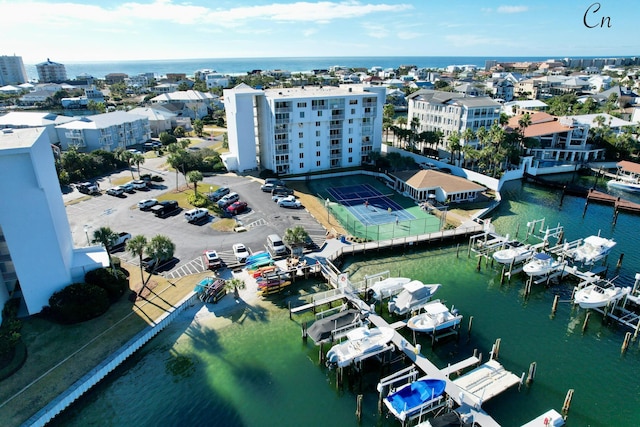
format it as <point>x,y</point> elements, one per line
<point>426,224</point>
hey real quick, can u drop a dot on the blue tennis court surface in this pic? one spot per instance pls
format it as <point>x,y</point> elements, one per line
<point>368,205</point>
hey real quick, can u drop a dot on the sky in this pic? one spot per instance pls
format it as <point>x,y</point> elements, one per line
<point>111,30</point>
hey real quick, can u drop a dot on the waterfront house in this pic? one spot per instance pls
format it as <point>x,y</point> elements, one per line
<point>560,141</point>
<point>195,104</point>
<point>425,185</point>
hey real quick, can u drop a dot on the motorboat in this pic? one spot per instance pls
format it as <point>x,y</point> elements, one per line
<point>387,287</point>
<point>434,317</point>
<point>415,397</point>
<point>337,325</point>
<point>599,294</point>
<point>631,184</point>
<point>413,296</point>
<point>541,264</point>
<point>360,342</point>
<point>515,252</point>
<point>592,249</point>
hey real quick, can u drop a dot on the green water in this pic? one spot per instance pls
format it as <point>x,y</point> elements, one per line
<point>258,371</point>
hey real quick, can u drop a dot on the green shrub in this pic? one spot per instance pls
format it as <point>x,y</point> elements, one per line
<point>199,201</point>
<point>10,328</point>
<point>112,280</point>
<point>78,302</point>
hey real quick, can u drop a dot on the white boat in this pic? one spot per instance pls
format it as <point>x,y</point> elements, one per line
<point>421,396</point>
<point>599,294</point>
<point>631,185</point>
<point>516,252</point>
<point>540,265</point>
<point>360,342</point>
<point>592,249</point>
<point>387,287</point>
<point>413,296</point>
<point>435,317</point>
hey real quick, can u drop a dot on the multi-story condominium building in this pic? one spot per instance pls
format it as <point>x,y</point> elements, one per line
<point>35,119</point>
<point>51,72</point>
<point>301,130</point>
<point>36,245</point>
<point>448,112</point>
<point>12,70</point>
<point>106,131</point>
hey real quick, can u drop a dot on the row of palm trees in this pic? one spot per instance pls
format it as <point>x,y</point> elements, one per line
<point>489,150</point>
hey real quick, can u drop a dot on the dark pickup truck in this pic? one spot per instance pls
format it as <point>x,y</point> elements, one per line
<point>165,208</point>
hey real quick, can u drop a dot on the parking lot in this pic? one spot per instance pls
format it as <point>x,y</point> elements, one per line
<point>264,217</point>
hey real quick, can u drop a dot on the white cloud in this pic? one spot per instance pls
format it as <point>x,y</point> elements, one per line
<point>512,9</point>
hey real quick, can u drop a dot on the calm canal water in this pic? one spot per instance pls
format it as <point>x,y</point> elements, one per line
<point>258,372</point>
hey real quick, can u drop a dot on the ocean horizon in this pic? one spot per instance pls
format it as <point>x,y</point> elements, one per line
<point>235,66</point>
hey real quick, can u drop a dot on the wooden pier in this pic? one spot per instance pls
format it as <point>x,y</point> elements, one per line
<point>619,204</point>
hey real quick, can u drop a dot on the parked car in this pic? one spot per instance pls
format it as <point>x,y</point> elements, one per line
<point>280,190</point>
<point>289,202</point>
<point>128,187</point>
<point>276,245</point>
<point>139,184</point>
<point>196,214</point>
<point>212,260</point>
<point>240,251</point>
<point>88,188</point>
<point>271,183</point>
<point>152,145</point>
<point>121,240</point>
<point>219,193</point>
<point>228,199</point>
<point>134,151</point>
<point>237,207</point>
<point>165,208</point>
<point>145,204</point>
<point>115,191</point>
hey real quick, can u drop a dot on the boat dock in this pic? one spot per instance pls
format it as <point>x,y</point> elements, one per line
<point>619,204</point>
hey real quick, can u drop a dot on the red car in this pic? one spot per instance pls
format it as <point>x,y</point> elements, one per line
<point>237,207</point>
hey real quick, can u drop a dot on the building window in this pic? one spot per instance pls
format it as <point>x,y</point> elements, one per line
<point>353,102</point>
<point>318,163</point>
<point>350,131</point>
<point>317,143</point>
<point>319,113</point>
<point>317,133</point>
<point>317,123</point>
<point>350,149</point>
<point>317,153</point>
<point>300,135</point>
<point>301,165</point>
<point>301,145</point>
<point>301,155</point>
<point>302,105</point>
<point>350,160</point>
<point>353,111</point>
<point>350,121</point>
<point>350,140</point>
<point>302,114</point>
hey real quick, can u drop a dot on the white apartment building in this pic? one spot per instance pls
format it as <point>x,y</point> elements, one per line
<point>12,70</point>
<point>51,72</point>
<point>106,131</point>
<point>301,130</point>
<point>448,112</point>
<point>36,246</point>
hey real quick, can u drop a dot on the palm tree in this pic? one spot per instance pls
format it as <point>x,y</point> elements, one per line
<point>136,246</point>
<point>296,238</point>
<point>160,248</point>
<point>137,159</point>
<point>106,237</point>
<point>524,122</point>
<point>194,177</point>
<point>125,156</point>
<point>482,135</point>
<point>454,143</point>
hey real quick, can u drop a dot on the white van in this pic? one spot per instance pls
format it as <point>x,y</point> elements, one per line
<point>276,245</point>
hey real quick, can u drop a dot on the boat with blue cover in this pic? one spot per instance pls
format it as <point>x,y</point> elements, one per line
<point>415,397</point>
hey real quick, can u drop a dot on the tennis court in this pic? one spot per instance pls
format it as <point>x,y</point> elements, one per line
<point>370,206</point>
<point>361,205</point>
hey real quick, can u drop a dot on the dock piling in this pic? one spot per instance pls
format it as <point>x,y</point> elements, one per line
<point>619,263</point>
<point>625,344</point>
<point>359,407</point>
<point>470,326</point>
<point>304,331</point>
<point>567,401</point>
<point>554,307</point>
<point>532,372</point>
<point>586,321</point>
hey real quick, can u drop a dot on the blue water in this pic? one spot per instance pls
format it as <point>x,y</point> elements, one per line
<point>244,65</point>
<point>256,371</point>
